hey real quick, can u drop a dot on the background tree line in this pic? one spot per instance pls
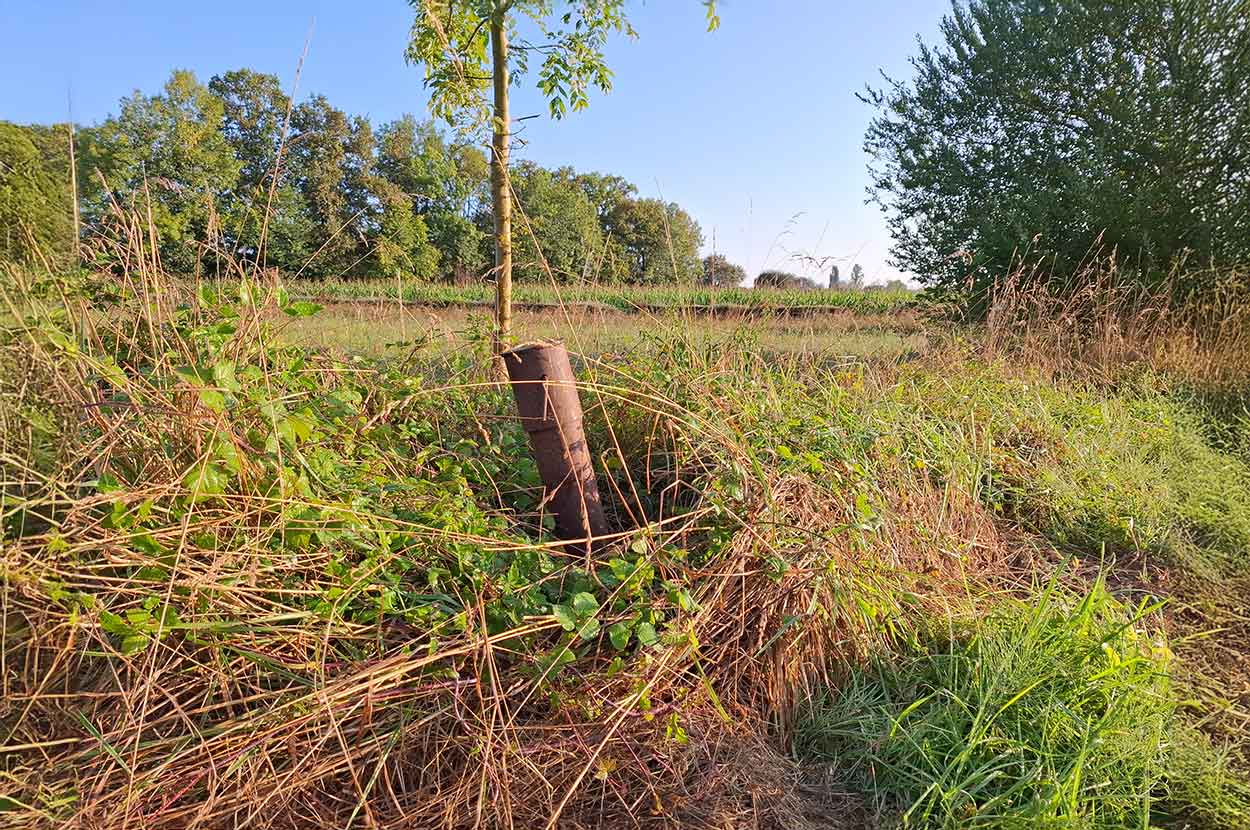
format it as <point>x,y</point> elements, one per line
<point>1049,131</point>
<point>402,198</point>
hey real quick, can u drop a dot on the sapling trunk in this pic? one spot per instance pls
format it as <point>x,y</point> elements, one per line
<point>501,194</point>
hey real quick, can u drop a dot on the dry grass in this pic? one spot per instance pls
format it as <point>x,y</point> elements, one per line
<point>1194,325</point>
<point>255,706</point>
<point>249,709</point>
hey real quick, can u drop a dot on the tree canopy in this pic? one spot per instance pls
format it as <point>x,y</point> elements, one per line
<point>719,272</point>
<point>35,216</point>
<point>402,198</point>
<point>783,279</point>
<point>1049,129</point>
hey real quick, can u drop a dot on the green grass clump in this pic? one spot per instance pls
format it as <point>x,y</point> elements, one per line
<point>1047,714</point>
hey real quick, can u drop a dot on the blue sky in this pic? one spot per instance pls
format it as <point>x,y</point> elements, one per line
<point>755,129</point>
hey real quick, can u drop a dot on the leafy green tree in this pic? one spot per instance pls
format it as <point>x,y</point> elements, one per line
<point>332,160</point>
<point>783,279</point>
<point>655,241</point>
<point>447,185</point>
<point>401,245</point>
<point>565,230</point>
<point>35,203</point>
<point>461,245</point>
<point>604,191</point>
<point>254,113</point>
<point>453,41</point>
<point>720,272</point>
<point>1046,129</point>
<point>254,116</point>
<point>165,155</point>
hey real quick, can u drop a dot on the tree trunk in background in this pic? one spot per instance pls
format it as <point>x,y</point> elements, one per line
<point>501,194</point>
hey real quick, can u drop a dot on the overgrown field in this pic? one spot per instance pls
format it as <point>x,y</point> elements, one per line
<point>252,582</point>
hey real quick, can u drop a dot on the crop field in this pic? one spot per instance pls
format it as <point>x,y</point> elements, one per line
<point>625,298</point>
<point>377,329</point>
<point>272,565</point>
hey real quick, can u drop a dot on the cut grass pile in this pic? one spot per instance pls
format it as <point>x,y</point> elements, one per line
<point>249,583</point>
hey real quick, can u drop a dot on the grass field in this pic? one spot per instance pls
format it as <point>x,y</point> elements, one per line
<point>263,569</point>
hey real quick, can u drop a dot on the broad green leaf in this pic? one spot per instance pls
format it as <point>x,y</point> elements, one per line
<point>564,615</point>
<point>301,308</point>
<point>585,605</point>
<point>619,634</point>
<point>647,635</point>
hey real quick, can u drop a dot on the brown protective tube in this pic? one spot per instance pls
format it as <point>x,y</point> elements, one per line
<point>546,399</point>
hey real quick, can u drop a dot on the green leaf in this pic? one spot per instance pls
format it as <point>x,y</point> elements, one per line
<point>589,629</point>
<point>647,635</point>
<point>585,605</point>
<point>619,634</point>
<point>134,642</point>
<point>564,615</point>
<point>195,375</point>
<point>206,480</point>
<point>112,373</point>
<point>223,376</point>
<point>114,624</point>
<point>213,399</point>
<point>301,308</point>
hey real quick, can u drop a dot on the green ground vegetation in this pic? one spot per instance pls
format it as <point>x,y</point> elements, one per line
<point>938,586</point>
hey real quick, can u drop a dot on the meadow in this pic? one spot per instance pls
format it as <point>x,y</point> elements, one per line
<point>275,565</point>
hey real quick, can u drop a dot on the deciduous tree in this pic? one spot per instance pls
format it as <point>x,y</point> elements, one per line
<point>466,49</point>
<point>35,201</point>
<point>167,156</point>
<point>721,273</point>
<point>1048,128</point>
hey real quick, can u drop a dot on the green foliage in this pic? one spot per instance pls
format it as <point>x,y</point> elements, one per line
<point>333,156</point>
<point>166,156</point>
<point>235,164</point>
<point>1051,713</point>
<point>652,242</point>
<point>35,222</point>
<point>326,542</point>
<point>783,280</point>
<point>719,272</point>
<point>255,112</point>
<point>622,297</point>
<point>1093,472</point>
<point>452,42</point>
<point>560,227</point>
<point>402,246</point>
<point>1044,130</point>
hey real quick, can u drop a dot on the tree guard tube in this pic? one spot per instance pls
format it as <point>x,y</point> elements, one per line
<point>546,398</point>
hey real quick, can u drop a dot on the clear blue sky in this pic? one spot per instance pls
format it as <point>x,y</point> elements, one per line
<point>755,129</point>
